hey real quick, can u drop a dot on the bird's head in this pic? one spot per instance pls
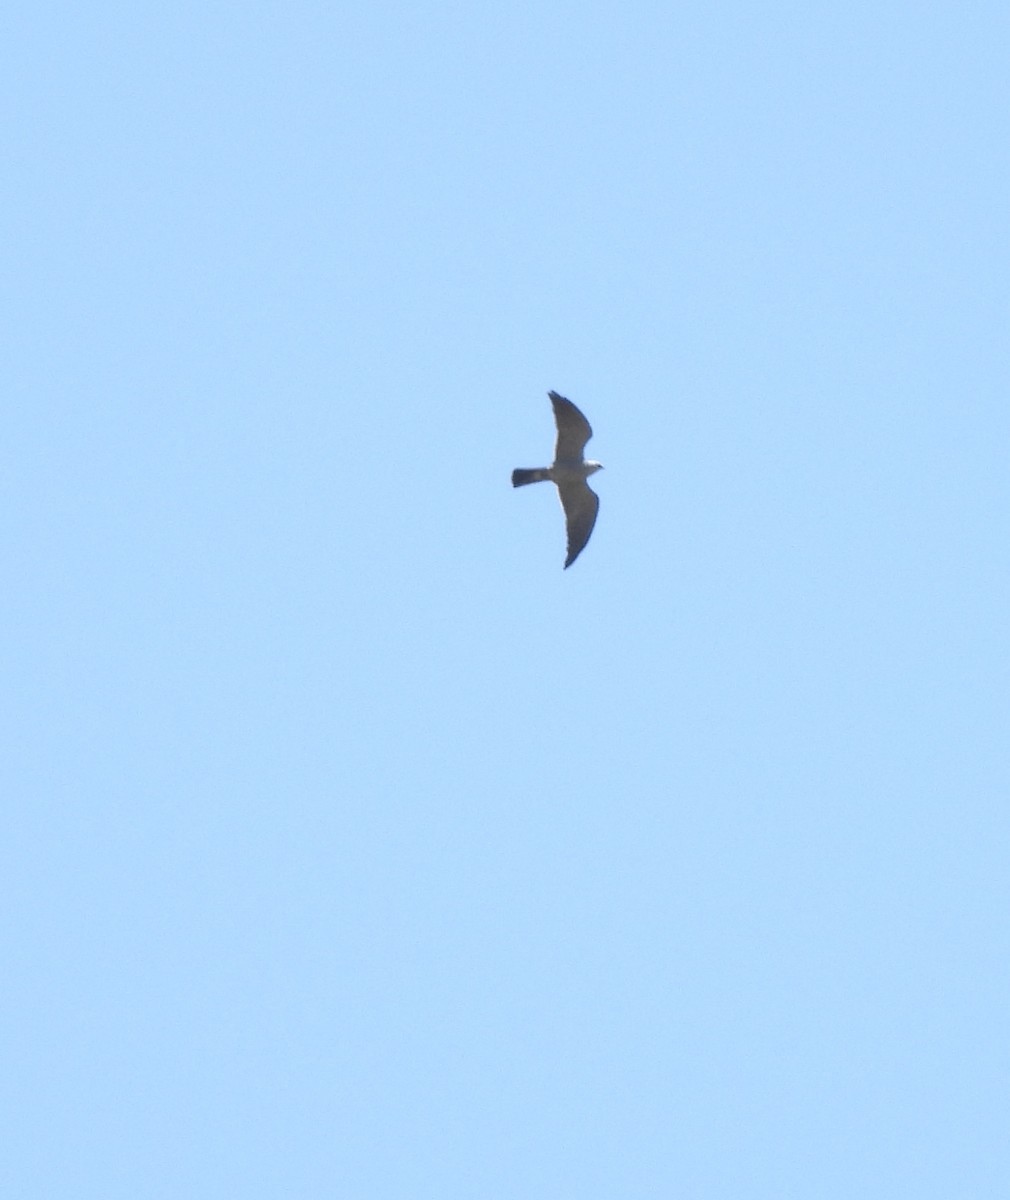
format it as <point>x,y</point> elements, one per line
<point>592,467</point>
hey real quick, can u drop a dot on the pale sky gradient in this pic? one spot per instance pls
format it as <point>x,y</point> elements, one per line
<point>353,848</point>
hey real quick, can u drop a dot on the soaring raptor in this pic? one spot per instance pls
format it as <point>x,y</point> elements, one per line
<point>569,473</point>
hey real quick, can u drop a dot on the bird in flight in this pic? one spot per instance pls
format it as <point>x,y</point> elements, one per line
<point>569,473</point>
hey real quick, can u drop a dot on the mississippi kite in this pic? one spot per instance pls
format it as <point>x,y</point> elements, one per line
<point>569,473</point>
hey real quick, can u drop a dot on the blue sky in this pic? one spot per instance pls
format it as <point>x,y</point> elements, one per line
<point>353,848</point>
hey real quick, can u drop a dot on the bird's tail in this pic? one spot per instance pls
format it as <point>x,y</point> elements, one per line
<point>520,475</point>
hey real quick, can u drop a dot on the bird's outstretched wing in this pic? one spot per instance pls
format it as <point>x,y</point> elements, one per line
<point>581,505</point>
<point>573,431</point>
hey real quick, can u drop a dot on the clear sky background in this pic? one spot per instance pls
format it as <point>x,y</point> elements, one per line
<point>354,849</point>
